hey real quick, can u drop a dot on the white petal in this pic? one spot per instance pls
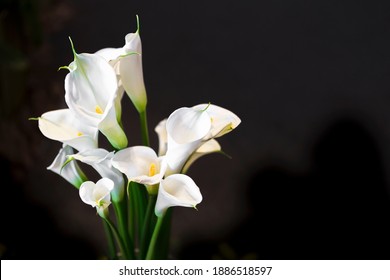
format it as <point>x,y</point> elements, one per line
<point>118,103</point>
<point>103,187</point>
<point>135,162</point>
<point>63,126</point>
<point>86,193</point>
<point>131,75</point>
<point>133,43</point>
<point>222,120</point>
<point>161,130</point>
<point>187,125</point>
<point>91,156</point>
<point>177,190</point>
<point>211,146</point>
<point>111,54</point>
<point>130,69</point>
<point>71,172</point>
<point>110,128</point>
<point>178,154</point>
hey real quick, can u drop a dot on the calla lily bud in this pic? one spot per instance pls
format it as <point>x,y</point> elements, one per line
<point>91,92</point>
<point>97,195</point>
<point>131,72</point>
<point>71,172</point>
<point>63,126</point>
<point>100,160</point>
<point>127,62</point>
<point>177,190</point>
<point>140,164</point>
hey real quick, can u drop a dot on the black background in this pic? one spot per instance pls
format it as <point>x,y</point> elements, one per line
<point>309,174</point>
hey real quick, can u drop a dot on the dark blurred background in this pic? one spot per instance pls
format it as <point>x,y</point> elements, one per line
<point>309,176</point>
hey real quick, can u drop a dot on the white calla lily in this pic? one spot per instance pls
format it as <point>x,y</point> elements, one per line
<point>222,120</point>
<point>97,195</point>
<point>70,172</point>
<point>91,92</point>
<point>127,62</point>
<point>100,160</point>
<point>140,164</point>
<point>63,126</point>
<point>188,129</point>
<point>177,190</point>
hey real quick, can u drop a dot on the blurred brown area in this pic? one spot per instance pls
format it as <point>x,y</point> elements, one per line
<point>309,175</point>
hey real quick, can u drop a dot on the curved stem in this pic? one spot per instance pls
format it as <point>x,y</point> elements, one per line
<point>110,241</point>
<point>153,241</point>
<point>121,213</point>
<point>122,247</point>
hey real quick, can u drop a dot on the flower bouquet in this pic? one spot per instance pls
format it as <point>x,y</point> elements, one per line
<point>140,184</point>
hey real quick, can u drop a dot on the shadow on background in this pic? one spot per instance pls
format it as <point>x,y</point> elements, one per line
<point>338,210</point>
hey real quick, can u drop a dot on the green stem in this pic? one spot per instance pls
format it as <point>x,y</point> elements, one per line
<point>131,214</point>
<point>134,208</point>
<point>142,205</point>
<point>121,214</point>
<point>110,241</point>
<point>145,235</point>
<point>122,247</point>
<point>138,208</point>
<point>162,247</point>
<point>153,241</point>
<point>144,128</point>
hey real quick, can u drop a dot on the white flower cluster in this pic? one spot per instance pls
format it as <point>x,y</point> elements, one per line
<point>94,88</point>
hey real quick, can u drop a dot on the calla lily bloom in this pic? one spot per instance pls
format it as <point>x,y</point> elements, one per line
<point>177,190</point>
<point>91,92</point>
<point>70,172</point>
<point>127,62</point>
<point>97,195</point>
<point>63,126</point>
<point>207,147</point>
<point>140,164</point>
<point>100,160</point>
<point>189,128</point>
